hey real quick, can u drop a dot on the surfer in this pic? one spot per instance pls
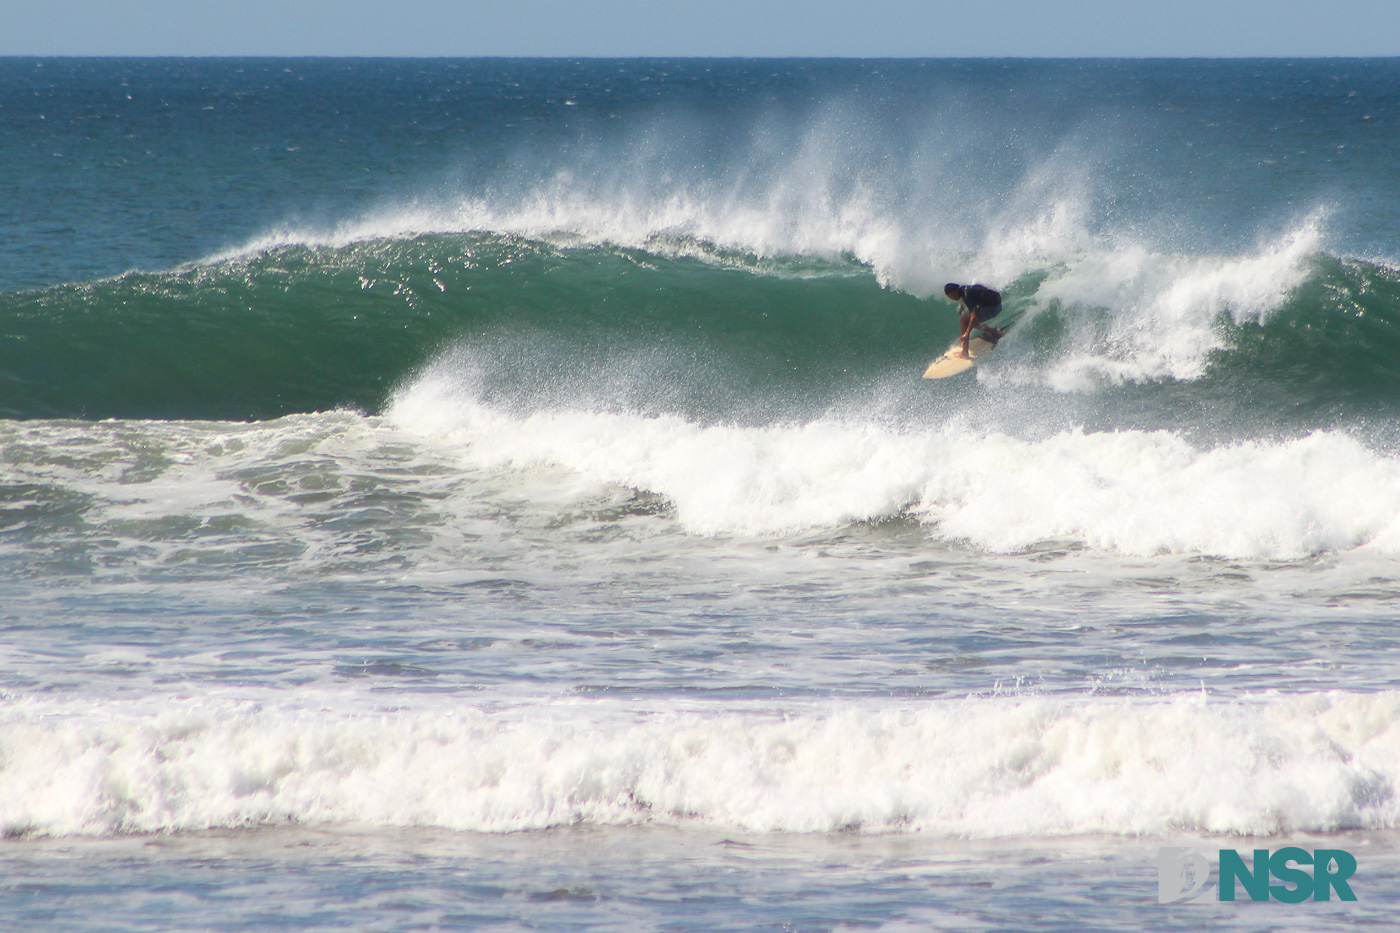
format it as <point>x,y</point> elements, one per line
<point>978,303</point>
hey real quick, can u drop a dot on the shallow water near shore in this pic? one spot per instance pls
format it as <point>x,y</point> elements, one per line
<point>590,878</point>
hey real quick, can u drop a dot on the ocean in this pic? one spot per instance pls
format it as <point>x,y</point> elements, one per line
<point>502,494</point>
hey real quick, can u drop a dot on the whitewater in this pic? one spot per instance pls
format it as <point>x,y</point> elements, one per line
<point>501,494</point>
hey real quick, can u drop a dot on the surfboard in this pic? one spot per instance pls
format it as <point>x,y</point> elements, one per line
<point>950,364</point>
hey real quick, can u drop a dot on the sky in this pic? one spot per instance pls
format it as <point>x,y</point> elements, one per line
<point>673,28</point>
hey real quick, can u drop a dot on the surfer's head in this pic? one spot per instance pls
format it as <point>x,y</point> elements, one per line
<point>954,291</point>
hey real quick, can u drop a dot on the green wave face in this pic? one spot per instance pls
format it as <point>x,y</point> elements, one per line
<point>305,329</point>
<point>1332,349</point>
<point>678,326</point>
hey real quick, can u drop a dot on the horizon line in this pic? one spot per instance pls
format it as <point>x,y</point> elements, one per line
<point>650,57</point>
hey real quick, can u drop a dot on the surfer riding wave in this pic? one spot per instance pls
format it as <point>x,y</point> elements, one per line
<point>977,303</point>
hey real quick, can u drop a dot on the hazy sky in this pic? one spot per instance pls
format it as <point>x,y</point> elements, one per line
<point>901,28</point>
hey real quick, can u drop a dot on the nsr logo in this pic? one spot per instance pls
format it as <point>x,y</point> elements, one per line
<point>1183,875</point>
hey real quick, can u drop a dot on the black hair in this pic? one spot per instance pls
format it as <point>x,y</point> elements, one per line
<point>951,287</point>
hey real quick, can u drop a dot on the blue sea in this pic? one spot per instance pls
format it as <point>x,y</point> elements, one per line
<point>502,494</point>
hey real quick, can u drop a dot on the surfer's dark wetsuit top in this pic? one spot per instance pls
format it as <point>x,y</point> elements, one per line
<point>983,300</point>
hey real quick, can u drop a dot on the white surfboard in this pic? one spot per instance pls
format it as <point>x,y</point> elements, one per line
<point>950,363</point>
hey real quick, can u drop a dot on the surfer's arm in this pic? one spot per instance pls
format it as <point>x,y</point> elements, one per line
<point>969,320</point>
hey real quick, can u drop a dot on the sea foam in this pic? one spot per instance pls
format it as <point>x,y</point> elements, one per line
<point>978,767</point>
<point>1131,491</point>
<point>1162,315</point>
